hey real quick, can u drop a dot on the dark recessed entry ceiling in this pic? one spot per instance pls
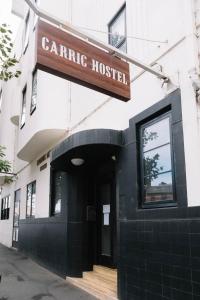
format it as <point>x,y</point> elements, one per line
<point>94,146</point>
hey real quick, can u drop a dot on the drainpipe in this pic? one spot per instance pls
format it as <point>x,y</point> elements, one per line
<point>190,84</point>
<point>196,79</point>
<point>194,72</point>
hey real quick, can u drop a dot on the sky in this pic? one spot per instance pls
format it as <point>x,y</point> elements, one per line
<point>7,17</point>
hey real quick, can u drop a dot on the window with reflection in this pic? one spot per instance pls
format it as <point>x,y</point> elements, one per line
<point>34,92</point>
<point>157,161</point>
<point>26,32</point>
<point>56,193</point>
<point>30,200</point>
<point>5,208</point>
<point>117,30</point>
<point>23,109</point>
<point>16,216</point>
<point>37,3</point>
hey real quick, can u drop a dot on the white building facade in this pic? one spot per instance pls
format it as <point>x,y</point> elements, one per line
<point>134,202</point>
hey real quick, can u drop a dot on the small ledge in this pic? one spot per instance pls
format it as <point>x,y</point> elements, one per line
<point>39,142</point>
<point>18,8</point>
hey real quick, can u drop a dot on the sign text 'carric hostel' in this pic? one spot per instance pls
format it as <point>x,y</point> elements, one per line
<point>69,57</point>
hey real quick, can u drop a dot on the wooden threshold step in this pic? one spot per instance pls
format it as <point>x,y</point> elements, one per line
<point>107,282</point>
<point>104,270</point>
<point>101,294</point>
<point>101,283</point>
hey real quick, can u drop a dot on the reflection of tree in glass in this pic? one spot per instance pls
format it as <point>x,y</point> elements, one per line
<point>116,38</point>
<point>148,136</point>
<point>163,183</point>
<point>150,163</point>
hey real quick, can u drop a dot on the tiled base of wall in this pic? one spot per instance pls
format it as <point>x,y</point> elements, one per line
<point>160,259</point>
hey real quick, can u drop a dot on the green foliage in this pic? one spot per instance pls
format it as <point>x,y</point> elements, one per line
<point>8,180</point>
<point>7,61</point>
<point>151,168</point>
<point>5,165</point>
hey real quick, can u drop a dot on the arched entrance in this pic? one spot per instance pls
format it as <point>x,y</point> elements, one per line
<point>90,198</point>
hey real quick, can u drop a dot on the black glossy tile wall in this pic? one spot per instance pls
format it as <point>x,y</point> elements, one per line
<point>159,247</point>
<point>45,241</point>
<point>160,259</point>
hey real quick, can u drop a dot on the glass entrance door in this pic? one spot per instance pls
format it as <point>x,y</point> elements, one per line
<point>16,217</point>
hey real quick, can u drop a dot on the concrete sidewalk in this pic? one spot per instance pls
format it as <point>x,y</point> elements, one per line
<point>23,279</point>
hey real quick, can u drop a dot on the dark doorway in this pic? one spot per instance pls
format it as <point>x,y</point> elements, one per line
<point>91,209</point>
<point>16,217</point>
<point>106,215</point>
<point>89,198</point>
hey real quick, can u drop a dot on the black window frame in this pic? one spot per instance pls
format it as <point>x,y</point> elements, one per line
<point>31,215</point>
<point>110,24</point>
<point>171,102</point>
<point>1,99</point>
<point>5,212</point>
<point>16,228</point>
<point>35,19</point>
<point>24,99</point>
<point>161,203</point>
<point>33,107</point>
<point>26,32</point>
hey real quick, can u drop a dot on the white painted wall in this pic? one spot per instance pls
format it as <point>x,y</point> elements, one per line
<point>31,173</point>
<point>69,107</point>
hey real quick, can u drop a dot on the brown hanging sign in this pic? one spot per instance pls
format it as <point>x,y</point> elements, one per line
<point>67,56</point>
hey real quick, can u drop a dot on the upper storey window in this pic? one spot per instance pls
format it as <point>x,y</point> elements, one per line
<point>23,110</point>
<point>26,32</point>
<point>34,93</point>
<point>117,30</point>
<point>37,2</point>
<point>1,99</point>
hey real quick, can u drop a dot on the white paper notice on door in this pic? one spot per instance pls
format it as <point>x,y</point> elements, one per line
<point>106,214</point>
<point>106,209</point>
<point>106,219</point>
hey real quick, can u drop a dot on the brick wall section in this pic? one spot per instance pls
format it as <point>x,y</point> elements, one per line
<point>160,259</point>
